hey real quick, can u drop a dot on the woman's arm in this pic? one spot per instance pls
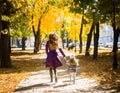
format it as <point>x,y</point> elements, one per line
<point>61,51</point>
<point>47,47</point>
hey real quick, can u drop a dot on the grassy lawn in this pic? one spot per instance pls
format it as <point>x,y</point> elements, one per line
<point>25,62</point>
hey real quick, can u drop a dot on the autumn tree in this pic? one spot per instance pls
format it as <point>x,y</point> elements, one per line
<point>63,34</point>
<point>110,12</point>
<point>37,10</point>
<point>80,7</point>
<point>20,26</point>
<point>6,10</point>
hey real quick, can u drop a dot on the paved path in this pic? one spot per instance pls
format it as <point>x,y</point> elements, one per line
<point>38,82</point>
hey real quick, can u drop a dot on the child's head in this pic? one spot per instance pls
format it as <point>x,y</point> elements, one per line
<point>72,60</point>
<point>72,56</point>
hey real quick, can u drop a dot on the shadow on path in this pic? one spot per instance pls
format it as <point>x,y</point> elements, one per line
<point>32,86</point>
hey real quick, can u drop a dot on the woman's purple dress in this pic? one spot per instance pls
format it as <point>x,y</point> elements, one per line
<point>53,59</point>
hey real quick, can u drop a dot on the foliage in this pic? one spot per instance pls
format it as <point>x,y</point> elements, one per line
<point>57,9</point>
<point>103,9</point>
<point>20,21</point>
<point>19,26</point>
<point>50,21</point>
<point>7,8</point>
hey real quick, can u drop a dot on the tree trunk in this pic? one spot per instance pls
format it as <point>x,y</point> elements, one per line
<point>40,41</point>
<point>115,48</point>
<point>115,63</point>
<point>37,43</point>
<point>9,43</point>
<point>62,35</point>
<point>63,43</point>
<point>5,53</point>
<point>89,37</point>
<point>0,33</point>
<point>23,43</point>
<point>37,36</point>
<point>80,36</point>
<point>96,38</point>
<point>67,43</point>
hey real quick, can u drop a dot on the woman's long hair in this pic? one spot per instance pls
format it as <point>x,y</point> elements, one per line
<point>53,40</point>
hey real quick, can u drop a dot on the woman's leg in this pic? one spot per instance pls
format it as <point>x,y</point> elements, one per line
<point>51,74</point>
<point>55,72</point>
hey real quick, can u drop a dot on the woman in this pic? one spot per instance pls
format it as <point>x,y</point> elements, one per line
<point>53,61</point>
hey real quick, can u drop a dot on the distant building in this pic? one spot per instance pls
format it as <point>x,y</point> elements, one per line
<point>30,42</point>
<point>106,34</point>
